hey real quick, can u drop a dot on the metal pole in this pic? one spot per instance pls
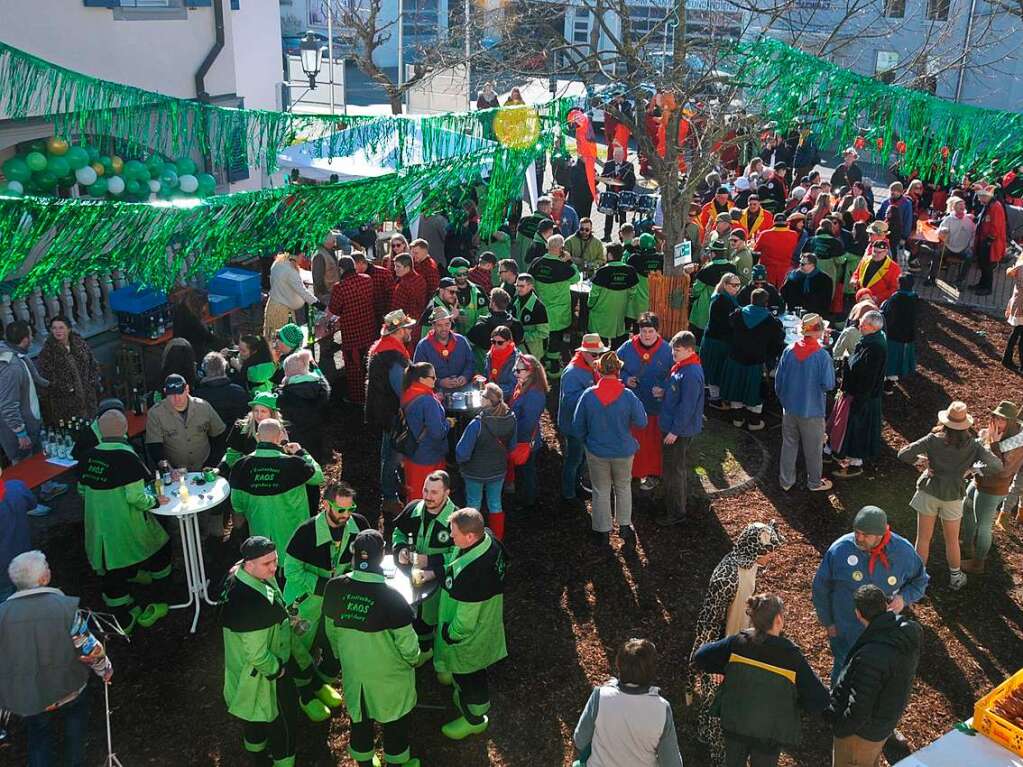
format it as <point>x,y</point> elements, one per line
<point>468,48</point>
<point>966,50</point>
<point>330,50</point>
<point>401,42</point>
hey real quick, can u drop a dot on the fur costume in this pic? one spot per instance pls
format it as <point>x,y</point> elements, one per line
<point>722,592</point>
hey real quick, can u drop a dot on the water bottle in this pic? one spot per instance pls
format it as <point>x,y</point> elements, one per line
<point>44,439</point>
<point>68,447</point>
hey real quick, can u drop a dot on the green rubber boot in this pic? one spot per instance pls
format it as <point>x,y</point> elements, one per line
<point>445,678</point>
<point>153,613</point>
<point>461,728</point>
<point>315,710</point>
<point>330,697</point>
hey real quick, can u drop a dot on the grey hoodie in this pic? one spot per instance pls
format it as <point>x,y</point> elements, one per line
<point>482,451</point>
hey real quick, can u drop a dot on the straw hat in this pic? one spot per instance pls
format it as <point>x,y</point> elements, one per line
<point>395,321</point>
<point>592,344</point>
<point>1007,410</point>
<point>956,417</point>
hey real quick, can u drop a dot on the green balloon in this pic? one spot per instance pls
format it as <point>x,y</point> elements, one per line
<point>17,169</point>
<point>132,187</point>
<point>10,191</point>
<point>166,192</point>
<point>36,161</point>
<point>37,146</point>
<point>132,169</point>
<point>93,153</point>
<point>185,166</point>
<point>207,185</point>
<point>58,165</point>
<point>46,180</point>
<point>169,178</point>
<point>77,157</point>
<point>98,189</point>
<point>108,167</point>
<point>155,165</point>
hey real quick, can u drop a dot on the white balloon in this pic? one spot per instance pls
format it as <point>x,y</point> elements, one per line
<point>16,187</point>
<point>188,183</point>
<point>115,185</point>
<point>86,176</point>
<point>154,185</point>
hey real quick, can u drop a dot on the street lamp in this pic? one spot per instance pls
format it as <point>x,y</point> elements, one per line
<point>310,53</point>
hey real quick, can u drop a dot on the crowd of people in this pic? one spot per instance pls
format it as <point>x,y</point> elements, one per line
<point>454,348</point>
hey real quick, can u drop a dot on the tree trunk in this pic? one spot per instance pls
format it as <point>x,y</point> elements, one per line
<point>397,107</point>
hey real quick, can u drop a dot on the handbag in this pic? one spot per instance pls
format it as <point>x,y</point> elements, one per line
<point>403,438</point>
<point>838,421</point>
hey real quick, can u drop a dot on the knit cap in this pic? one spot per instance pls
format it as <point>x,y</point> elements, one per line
<point>871,520</point>
<point>291,335</point>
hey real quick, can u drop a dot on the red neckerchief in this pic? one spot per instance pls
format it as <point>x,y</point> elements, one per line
<point>580,362</point>
<point>878,553</point>
<point>646,353</point>
<point>388,344</point>
<point>498,356</point>
<point>805,347</point>
<point>608,390</point>
<point>517,392</point>
<point>444,350</point>
<point>3,489</point>
<point>693,359</point>
<point>415,390</point>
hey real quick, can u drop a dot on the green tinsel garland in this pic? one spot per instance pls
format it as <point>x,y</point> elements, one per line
<point>941,137</point>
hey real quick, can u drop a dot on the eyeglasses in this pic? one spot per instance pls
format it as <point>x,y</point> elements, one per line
<point>430,378</point>
<point>395,245</point>
<point>585,231</point>
<point>880,246</point>
<point>498,341</point>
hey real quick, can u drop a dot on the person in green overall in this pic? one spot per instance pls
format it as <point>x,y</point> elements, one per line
<point>259,656</point>
<point>613,287</point>
<point>530,311</point>
<point>644,258</point>
<point>321,549</point>
<point>125,544</point>
<point>368,627</point>
<point>268,485</point>
<point>422,539</point>
<point>472,302</point>
<point>704,282</point>
<point>553,275</point>
<point>470,635</point>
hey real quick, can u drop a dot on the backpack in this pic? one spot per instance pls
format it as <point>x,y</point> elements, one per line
<point>403,439</point>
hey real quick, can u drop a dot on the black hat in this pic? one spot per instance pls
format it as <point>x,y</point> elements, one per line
<point>257,546</point>
<point>110,403</point>
<point>368,550</point>
<point>174,384</point>
<point>722,190</point>
<point>445,282</point>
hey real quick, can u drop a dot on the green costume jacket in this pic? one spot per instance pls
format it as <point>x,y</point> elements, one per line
<point>368,626</point>
<point>703,289</point>
<point>431,535</point>
<point>268,489</point>
<point>119,530</point>
<point>553,279</point>
<point>531,312</point>
<point>644,261</point>
<point>257,641</point>
<point>613,286</point>
<point>471,635</point>
<point>473,303</point>
<point>313,557</point>
<point>239,445</point>
<point>259,377</point>
<point>742,260</point>
<point>586,254</point>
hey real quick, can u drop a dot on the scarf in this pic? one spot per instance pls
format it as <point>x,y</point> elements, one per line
<point>807,277</point>
<point>417,389</point>
<point>444,350</point>
<point>388,344</point>
<point>693,359</point>
<point>805,347</point>
<point>608,390</point>
<point>878,552</point>
<point>579,361</point>
<point>646,353</point>
<point>499,356</point>
<point>754,315</point>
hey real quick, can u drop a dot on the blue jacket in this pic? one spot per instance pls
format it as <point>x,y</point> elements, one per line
<point>574,381</point>
<point>460,362</point>
<point>528,408</point>
<point>844,569</point>
<point>802,385</point>
<point>425,418</point>
<point>652,372</point>
<point>605,428</point>
<point>14,533</point>
<point>682,410</point>
<point>505,376</point>
<point>906,222</point>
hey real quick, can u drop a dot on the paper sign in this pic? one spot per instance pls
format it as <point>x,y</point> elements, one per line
<point>683,253</point>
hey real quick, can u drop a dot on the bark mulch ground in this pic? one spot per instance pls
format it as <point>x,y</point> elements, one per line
<point>566,610</point>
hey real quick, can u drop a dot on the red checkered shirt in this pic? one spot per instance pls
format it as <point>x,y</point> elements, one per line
<point>410,294</point>
<point>428,269</point>
<point>352,301</point>
<point>383,290</point>
<point>481,278</point>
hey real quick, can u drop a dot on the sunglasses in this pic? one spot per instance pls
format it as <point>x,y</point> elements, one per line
<point>585,231</point>
<point>338,507</point>
<point>498,341</point>
<point>521,370</point>
<point>430,378</point>
<point>395,245</point>
<point>880,246</point>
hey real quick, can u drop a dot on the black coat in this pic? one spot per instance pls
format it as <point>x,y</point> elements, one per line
<point>381,400</point>
<point>774,299</point>
<point>479,334</point>
<point>756,345</point>
<point>873,687</point>
<point>302,407</point>
<point>900,317</point>
<point>846,176</point>
<point>817,300</point>
<point>863,370</point>
<point>230,400</point>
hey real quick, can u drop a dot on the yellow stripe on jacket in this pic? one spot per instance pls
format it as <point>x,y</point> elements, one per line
<point>787,673</point>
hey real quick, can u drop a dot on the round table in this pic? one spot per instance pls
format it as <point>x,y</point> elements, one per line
<point>466,401</point>
<point>580,302</point>
<point>202,497</point>
<point>398,579</point>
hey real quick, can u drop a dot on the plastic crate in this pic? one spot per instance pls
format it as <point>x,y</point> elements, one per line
<point>985,720</point>
<point>135,299</point>
<point>239,283</point>
<point>221,304</point>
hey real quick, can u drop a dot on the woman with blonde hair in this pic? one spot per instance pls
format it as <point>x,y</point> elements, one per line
<point>288,294</point>
<point>944,456</point>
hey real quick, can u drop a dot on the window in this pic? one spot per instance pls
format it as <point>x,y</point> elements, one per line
<point>937,10</point>
<point>420,21</point>
<point>895,9</point>
<point>644,19</point>
<point>145,3</point>
<point>581,26</point>
<point>884,66</point>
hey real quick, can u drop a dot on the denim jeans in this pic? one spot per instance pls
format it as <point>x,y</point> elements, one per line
<point>389,462</point>
<point>572,466</point>
<point>979,512</point>
<point>475,490</point>
<point>40,733</point>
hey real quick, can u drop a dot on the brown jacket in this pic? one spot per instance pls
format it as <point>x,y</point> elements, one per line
<point>1015,307</point>
<point>997,483</point>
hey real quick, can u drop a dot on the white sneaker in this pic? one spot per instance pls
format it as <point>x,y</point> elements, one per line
<point>957,580</point>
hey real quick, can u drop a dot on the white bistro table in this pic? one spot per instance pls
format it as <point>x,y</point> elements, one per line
<point>399,580</point>
<point>957,749</point>
<point>201,498</point>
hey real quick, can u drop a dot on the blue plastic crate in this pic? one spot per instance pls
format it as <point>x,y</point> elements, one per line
<point>221,304</point>
<point>135,299</point>
<point>240,283</point>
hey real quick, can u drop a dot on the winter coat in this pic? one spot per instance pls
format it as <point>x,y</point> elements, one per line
<point>351,301</point>
<point>15,538</point>
<point>682,410</point>
<point>230,400</point>
<point>302,402</point>
<point>650,366</point>
<point>774,300</point>
<point>756,338</point>
<point>20,386</point>
<point>1015,307</point>
<point>884,280</point>
<point>553,280</point>
<point>588,253</point>
<point>604,418</point>
<point>704,282</point>
<point>575,379</point>
<point>872,689</point>
<point>900,312</point>
<point>612,288</point>
<point>425,419</point>
<point>644,261</point>
<point>383,387</point>
<point>802,381</point>
<point>814,297</point>
<point>528,407</point>
<point>479,334</point>
<point>74,379</point>
<point>991,228</point>
<point>776,246</point>
<point>449,360</point>
<point>482,451</point>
